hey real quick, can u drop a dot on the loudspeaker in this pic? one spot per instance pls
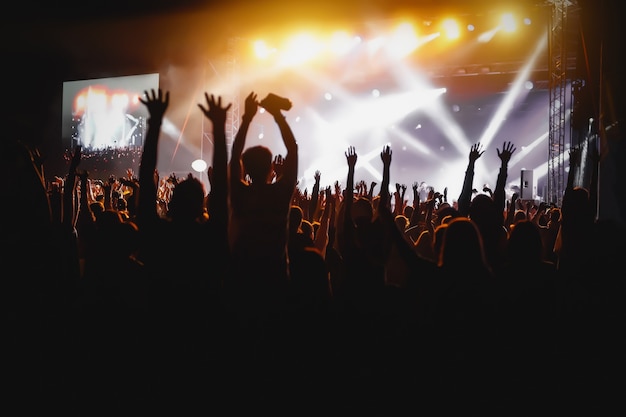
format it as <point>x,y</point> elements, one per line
<point>526,186</point>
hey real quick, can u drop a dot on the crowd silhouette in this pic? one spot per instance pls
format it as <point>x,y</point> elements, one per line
<point>259,297</point>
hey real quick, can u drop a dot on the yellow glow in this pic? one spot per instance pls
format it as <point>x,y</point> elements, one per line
<point>301,48</point>
<point>508,22</point>
<point>451,28</point>
<point>262,50</point>
<point>341,42</point>
<point>404,40</point>
<point>487,36</point>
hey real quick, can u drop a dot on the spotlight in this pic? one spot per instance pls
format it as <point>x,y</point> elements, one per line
<point>199,165</point>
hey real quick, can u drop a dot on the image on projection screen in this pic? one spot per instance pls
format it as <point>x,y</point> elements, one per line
<point>105,113</point>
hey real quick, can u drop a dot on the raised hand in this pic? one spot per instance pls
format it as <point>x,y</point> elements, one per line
<point>317,176</point>
<point>214,109</point>
<point>279,165</point>
<point>385,155</point>
<point>431,194</point>
<point>83,175</point>
<point>251,105</point>
<point>351,157</point>
<point>362,187</point>
<point>75,161</point>
<point>156,102</point>
<point>574,156</point>
<point>476,152</point>
<point>507,150</point>
<point>328,193</point>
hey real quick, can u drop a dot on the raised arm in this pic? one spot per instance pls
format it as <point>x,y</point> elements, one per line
<point>290,163</point>
<point>416,214</point>
<point>107,187</point>
<point>84,217</point>
<point>385,156</point>
<point>314,206</point>
<point>398,200</point>
<point>465,197</point>
<point>156,103</point>
<point>236,167</point>
<point>321,237</point>
<point>277,166</point>
<point>510,213</point>
<point>539,214</point>
<point>430,207</point>
<point>373,185</point>
<point>346,230</point>
<point>69,200</point>
<point>216,113</point>
<point>499,194</point>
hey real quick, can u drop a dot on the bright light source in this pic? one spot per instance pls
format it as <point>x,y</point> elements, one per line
<point>451,28</point>
<point>119,101</point>
<point>328,96</point>
<point>341,43</point>
<point>262,50</point>
<point>376,92</point>
<point>300,48</point>
<point>508,22</point>
<point>199,165</point>
<point>487,36</point>
<point>375,44</point>
<point>404,40</point>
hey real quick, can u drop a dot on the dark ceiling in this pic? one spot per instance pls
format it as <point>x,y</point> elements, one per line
<point>73,39</point>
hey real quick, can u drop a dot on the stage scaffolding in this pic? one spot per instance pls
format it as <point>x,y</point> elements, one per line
<point>562,64</point>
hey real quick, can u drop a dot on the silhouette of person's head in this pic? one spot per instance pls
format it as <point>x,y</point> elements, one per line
<point>576,207</point>
<point>483,211</point>
<point>108,219</point>
<point>555,215</point>
<point>402,222</point>
<point>306,228</point>
<point>295,219</point>
<point>444,211</point>
<point>257,163</point>
<point>462,245</point>
<point>97,207</point>
<point>128,237</point>
<point>438,238</point>
<point>310,278</point>
<point>187,202</point>
<point>362,211</point>
<point>524,243</point>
